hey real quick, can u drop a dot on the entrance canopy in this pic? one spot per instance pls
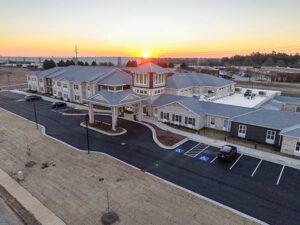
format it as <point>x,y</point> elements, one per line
<point>115,99</point>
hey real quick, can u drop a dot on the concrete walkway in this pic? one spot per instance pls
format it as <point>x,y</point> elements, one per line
<point>29,202</point>
<point>295,163</point>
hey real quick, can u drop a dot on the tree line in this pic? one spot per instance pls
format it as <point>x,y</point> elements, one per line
<point>48,64</point>
<point>263,59</point>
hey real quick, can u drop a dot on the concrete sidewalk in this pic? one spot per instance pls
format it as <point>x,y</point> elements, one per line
<point>295,163</point>
<point>29,202</point>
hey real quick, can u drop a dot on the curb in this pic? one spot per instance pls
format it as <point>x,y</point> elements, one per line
<point>103,132</point>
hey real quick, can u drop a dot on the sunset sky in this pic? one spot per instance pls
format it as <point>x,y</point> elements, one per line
<point>177,28</point>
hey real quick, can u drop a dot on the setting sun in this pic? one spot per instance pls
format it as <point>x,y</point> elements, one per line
<point>146,54</point>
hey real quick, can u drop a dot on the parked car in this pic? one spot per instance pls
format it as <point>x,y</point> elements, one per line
<point>30,98</point>
<point>227,153</point>
<point>56,105</point>
<point>247,93</point>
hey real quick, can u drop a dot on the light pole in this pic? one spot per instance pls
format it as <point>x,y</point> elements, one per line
<point>35,116</point>
<point>87,132</point>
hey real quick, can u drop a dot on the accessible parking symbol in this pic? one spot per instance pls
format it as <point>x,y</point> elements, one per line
<point>179,150</point>
<point>203,158</point>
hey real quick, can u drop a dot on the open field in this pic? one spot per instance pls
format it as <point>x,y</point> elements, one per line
<point>76,187</point>
<point>12,76</point>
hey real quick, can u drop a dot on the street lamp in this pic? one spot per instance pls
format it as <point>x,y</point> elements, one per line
<point>87,132</point>
<point>35,116</point>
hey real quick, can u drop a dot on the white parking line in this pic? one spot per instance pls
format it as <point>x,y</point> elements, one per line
<point>256,168</point>
<point>280,175</point>
<point>213,159</point>
<point>236,161</point>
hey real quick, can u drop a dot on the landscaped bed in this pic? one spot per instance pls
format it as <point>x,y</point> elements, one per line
<point>76,111</point>
<point>166,137</point>
<point>106,127</point>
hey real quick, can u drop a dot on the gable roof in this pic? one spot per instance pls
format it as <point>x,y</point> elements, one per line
<point>149,67</point>
<point>202,108</point>
<point>116,77</point>
<point>108,98</point>
<point>185,80</point>
<point>269,118</point>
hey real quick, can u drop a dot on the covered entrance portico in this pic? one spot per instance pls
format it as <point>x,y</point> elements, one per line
<point>117,101</point>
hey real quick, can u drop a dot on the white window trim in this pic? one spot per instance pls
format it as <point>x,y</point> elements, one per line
<point>212,125</point>
<point>243,134</point>
<point>295,150</point>
<point>225,128</point>
<point>271,134</point>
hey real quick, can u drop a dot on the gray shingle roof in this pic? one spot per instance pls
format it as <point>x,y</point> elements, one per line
<point>148,67</point>
<point>202,108</point>
<point>185,80</point>
<point>293,131</point>
<point>117,77</point>
<point>270,119</point>
<point>76,73</point>
<point>289,100</point>
<point>273,105</point>
<point>108,98</point>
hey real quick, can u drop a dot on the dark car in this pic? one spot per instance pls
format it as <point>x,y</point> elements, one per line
<point>247,93</point>
<point>227,153</point>
<point>58,105</point>
<point>30,98</point>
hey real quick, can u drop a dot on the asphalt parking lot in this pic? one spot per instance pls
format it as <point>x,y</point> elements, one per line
<point>247,166</point>
<point>192,166</point>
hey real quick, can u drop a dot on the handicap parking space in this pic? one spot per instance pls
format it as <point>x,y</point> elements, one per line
<point>290,179</point>
<point>196,150</point>
<point>185,147</point>
<point>209,153</point>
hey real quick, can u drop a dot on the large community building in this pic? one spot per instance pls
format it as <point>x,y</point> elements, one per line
<point>181,99</point>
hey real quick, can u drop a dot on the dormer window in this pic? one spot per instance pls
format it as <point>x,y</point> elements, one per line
<point>141,79</point>
<point>159,79</point>
<point>115,88</point>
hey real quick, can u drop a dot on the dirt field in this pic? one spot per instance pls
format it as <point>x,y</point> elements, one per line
<point>16,76</point>
<point>75,185</point>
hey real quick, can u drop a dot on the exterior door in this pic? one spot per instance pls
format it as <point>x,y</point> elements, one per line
<point>242,131</point>
<point>270,137</point>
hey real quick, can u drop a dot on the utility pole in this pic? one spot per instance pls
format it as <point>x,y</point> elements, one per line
<point>87,132</point>
<point>76,54</point>
<point>35,116</point>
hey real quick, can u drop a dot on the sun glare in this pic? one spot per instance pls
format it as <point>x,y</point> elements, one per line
<point>146,54</point>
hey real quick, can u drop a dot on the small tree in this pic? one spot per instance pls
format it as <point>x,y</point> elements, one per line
<point>183,65</point>
<point>48,64</point>
<point>110,64</point>
<point>61,63</point>
<point>86,64</point>
<point>94,63</point>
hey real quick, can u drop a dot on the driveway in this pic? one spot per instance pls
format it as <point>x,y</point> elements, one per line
<point>260,198</point>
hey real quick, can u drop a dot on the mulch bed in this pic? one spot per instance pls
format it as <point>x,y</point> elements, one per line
<point>166,137</point>
<point>76,111</point>
<point>105,127</point>
<point>23,214</point>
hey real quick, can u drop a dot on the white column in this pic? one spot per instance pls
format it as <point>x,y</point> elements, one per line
<point>114,118</point>
<point>91,113</point>
<point>140,112</point>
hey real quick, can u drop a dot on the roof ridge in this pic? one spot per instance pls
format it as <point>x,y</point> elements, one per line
<point>246,113</point>
<point>291,128</point>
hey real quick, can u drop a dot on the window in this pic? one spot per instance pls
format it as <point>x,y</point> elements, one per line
<point>65,95</point>
<point>54,92</point>
<point>270,137</point>
<point>58,84</point>
<point>159,79</point>
<point>225,125</point>
<point>59,94</point>
<point>65,86</point>
<point>76,87</point>
<point>41,80</point>
<point>110,88</point>
<point>297,146</point>
<point>119,88</point>
<point>242,131</point>
<point>212,122</point>
<point>190,121</point>
<point>141,78</point>
<point>77,98</point>
<point>164,115</point>
<point>88,87</point>
<point>176,118</point>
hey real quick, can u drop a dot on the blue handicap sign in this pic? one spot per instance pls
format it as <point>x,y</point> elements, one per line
<point>203,158</point>
<point>179,150</point>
